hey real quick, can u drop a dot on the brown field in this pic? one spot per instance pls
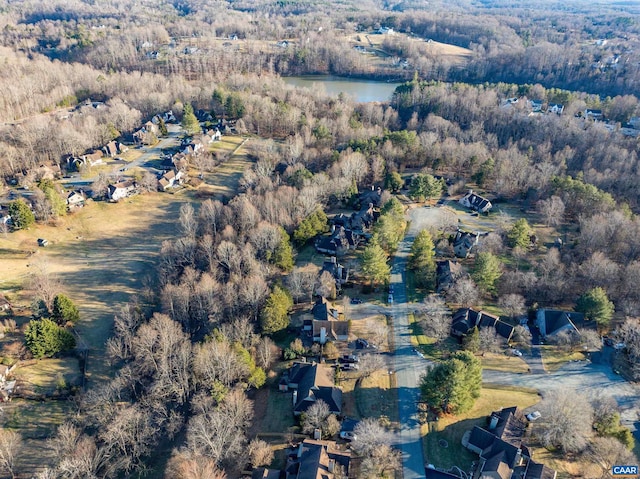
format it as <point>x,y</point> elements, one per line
<point>222,182</point>
<point>103,255</point>
<point>373,41</point>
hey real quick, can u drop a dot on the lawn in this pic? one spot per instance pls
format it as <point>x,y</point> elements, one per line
<point>450,429</point>
<point>377,396</point>
<point>504,362</point>
<point>47,375</point>
<point>554,357</point>
<point>223,181</point>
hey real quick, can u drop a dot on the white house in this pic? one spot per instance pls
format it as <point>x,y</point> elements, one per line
<point>475,202</point>
<point>123,189</point>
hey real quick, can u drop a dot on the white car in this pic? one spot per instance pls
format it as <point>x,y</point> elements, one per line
<point>348,435</point>
<point>516,352</point>
<point>532,416</point>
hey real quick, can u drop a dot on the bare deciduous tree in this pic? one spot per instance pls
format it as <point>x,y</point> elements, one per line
<point>436,317</point>
<point>464,292</point>
<point>10,443</point>
<point>315,416</point>
<point>552,210</point>
<point>607,452</point>
<point>266,352</point>
<point>512,304</point>
<point>369,364</point>
<point>566,421</point>
<point>490,342</point>
<point>373,443</point>
<point>326,285</point>
<point>260,453</point>
<point>190,466</point>
<point>188,220</point>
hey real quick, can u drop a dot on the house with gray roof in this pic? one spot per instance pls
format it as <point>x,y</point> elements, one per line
<point>552,321</point>
<point>465,319</point>
<point>464,242</point>
<point>317,460</point>
<point>312,382</point>
<point>475,202</point>
<point>500,445</point>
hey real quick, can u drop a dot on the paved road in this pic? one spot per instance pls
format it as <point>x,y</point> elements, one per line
<point>583,377</point>
<point>408,365</point>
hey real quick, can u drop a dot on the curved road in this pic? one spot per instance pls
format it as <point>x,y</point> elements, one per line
<point>408,365</point>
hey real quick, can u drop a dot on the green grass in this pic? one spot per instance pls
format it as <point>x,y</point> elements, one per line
<point>452,428</point>
<point>278,416</point>
<point>377,396</point>
<point>554,358</point>
<point>504,362</point>
<point>417,336</point>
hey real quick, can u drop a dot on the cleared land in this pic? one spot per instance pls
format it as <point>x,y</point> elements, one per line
<point>222,182</point>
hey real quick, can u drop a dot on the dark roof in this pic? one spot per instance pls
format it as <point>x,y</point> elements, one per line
<point>321,310</point>
<point>476,201</point>
<point>435,474</point>
<point>313,458</point>
<point>447,272</point>
<point>555,320</point>
<point>339,272</point>
<point>481,438</point>
<point>539,471</point>
<point>511,424</point>
<point>315,382</point>
<point>504,329</point>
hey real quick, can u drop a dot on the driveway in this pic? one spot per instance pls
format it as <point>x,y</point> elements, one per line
<point>408,366</point>
<point>584,378</point>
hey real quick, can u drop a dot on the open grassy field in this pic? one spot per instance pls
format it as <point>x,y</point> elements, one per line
<point>442,440</point>
<point>222,182</point>
<point>102,255</point>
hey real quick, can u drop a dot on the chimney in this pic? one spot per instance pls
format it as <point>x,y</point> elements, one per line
<point>334,260</point>
<point>317,435</point>
<point>323,335</point>
<point>332,465</point>
<point>295,397</point>
<point>300,450</point>
<point>493,423</point>
<point>470,192</point>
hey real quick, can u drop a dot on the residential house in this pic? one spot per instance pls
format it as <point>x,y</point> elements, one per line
<point>447,273</point>
<point>171,179</point>
<point>337,270</point>
<point>386,31</point>
<point>168,117</point>
<point>91,159</point>
<point>325,324</point>
<point>311,382</point>
<point>76,199</point>
<point>371,196</point>
<point>634,122</point>
<point>122,189</point>
<point>111,149</point>
<point>338,243</point>
<point>463,243</point>
<point>475,202</point>
<point>536,105</point>
<point>500,445</point>
<point>551,321</point>
<point>556,108</point>
<point>317,460</point>
<point>465,319</point>
<point>595,115</point>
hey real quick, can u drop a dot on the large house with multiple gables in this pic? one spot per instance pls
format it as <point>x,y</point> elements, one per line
<point>500,445</point>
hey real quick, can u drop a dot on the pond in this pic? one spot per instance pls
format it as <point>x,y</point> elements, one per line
<point>360,90</point>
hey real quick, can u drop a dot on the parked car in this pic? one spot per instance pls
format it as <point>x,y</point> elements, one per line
<point>532,416</point>
<point>349,358</point>
<point>418,352</point>
<point>43,242</point>
<point>348,435</point>
<point>516,352</point>
<point>362,343</point>
<point>356,301</point>
<point>349,367</point>
<point>390,298</point>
